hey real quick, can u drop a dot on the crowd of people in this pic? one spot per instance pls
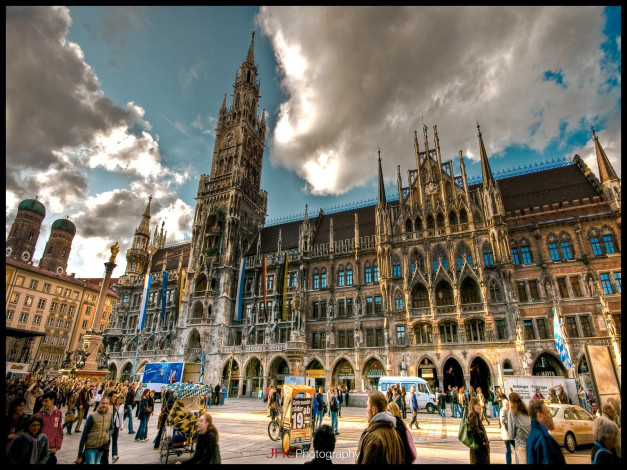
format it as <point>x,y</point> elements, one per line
<point>41,412</point>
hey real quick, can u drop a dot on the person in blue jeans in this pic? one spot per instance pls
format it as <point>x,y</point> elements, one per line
<point>98,427</point>
<point>457,412</point>
<point>494,396</point>
<point>314,413</point>
<point>144,414</point>
<point>334,406</point>
<point>128,407</point>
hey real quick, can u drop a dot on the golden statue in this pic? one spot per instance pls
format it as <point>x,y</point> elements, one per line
<point>114,252</point>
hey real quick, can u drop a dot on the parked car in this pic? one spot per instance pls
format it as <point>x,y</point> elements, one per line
<point>573,426</point>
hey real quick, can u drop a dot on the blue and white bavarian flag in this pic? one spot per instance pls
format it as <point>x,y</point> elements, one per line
<point>560,344</point>
<point>141,321</point>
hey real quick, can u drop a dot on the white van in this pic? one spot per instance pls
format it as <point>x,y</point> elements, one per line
<point>425,398</point>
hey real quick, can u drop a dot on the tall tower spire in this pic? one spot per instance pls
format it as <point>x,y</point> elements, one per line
<point>250,58</point>
<point>606,170</point>
<point>486,172</point>
<point>382,199</point>
<point>144,225</point>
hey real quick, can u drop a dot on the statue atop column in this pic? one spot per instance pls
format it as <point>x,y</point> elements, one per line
<point>114,252</point>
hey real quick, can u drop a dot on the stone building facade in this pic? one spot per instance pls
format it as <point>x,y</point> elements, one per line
<point>451,281</point>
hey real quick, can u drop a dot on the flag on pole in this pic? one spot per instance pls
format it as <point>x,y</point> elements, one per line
<point>263,283</point>
<point>164,295</point>
<point>134,362</point>
<point>141,322</point>
<point>202,366</point>
<point>560,344</point>
<point>180,293</point>
<point>240,291</point>
<point>285,283</point>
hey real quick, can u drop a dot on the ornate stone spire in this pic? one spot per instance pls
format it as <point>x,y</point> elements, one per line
<point>606,170</point>
<point>382,199</point>
<point>486,172</point>
<point>250,58</point>
<point>144,225</point>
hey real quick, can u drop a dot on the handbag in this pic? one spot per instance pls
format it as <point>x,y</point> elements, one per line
<point>148,409</point>
<point>412,446</point>
<point>464,435</point>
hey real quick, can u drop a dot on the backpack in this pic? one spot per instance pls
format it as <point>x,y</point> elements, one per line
<point>412,446</point>
<point>334,405</point>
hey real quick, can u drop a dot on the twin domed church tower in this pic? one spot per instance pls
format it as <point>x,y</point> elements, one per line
<point>22,240</point>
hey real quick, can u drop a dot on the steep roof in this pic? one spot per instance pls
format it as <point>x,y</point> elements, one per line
<point>174,252</point>
<point>545,187</point>
<point>344,224</point>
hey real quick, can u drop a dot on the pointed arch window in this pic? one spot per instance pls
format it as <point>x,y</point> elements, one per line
<point>349,275</point>
<point>463,217</point>
<point>567,249</point>
<point>396,267</point>
<point>419,296</point>
<point>323,278</point>
<point>461,251</point>
<point>452,218</point>
<point>439,222</point>
<point>423,333</point>
<point>375,272</point>
<point>525,252</point>
<point>341,276</point>
<point>448,332</point>
<point>475,330</point>
<point>608,243</point>
<point>515,253</point>
<point>418,223</point>
<point>488,256</point>
<point>430,222</point>
<point>440,255</point>
<point>316,279</point>
<point>408,226</point>
<point>444,294</point>
<point>469,291</point>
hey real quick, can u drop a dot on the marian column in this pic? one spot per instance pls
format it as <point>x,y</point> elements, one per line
<point>92,342</point>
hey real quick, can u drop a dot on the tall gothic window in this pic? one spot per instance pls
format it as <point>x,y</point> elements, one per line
<point>419,296</point>
<point>368,272</point>
<point>488,257</point>
<point>323,278</point>
<point>349,275</point>
<point>495,292</point>
<point>316,279</point>
<point>438,255</point>
<point>525,252</point>
<point>341,277</point>
<point>396,267</point>
<point>461,251</point>
<point>375,271</point>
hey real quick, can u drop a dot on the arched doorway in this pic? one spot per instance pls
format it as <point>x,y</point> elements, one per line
<point>278,370</point>
<point>427,371</point>
<point>254,377</point>
<point>314,374</point>
<point>113,372</point>
<point>583,373</point>
<point>373,371</point>
<point>549,366</point>
<point>126,372</point>
<point>480,375</point>
<point>230,377</point>
<point>344,374</point>
<point>453,373</point>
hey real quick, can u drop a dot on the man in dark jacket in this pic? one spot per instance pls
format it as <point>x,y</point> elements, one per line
<point>216,398</point>
<point>541,447</point>
<point>379,443</point>
<point>129,400</point>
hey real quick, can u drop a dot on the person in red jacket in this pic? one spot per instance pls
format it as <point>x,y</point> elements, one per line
<point>53,425</point>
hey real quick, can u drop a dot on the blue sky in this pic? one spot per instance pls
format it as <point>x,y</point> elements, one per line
<point>125,102</point>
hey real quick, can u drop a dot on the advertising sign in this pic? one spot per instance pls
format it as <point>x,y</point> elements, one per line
<point>300,425</point>
<point>293,380</point>
<point>525,386</point>
<point>158,374</point>
<point>603,373</point>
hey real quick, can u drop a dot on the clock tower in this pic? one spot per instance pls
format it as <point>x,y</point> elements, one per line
<point>230,206</point>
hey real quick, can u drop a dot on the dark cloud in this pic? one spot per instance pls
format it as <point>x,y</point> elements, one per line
<point>356,78</point>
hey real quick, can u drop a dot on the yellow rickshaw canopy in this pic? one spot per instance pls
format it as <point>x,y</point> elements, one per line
<point>292,390</point>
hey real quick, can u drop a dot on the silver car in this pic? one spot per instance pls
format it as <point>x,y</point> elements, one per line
<point>573,426</point>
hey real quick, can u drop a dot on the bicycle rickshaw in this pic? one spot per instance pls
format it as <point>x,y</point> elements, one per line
<point>181,433</point>
<point>294,425</point>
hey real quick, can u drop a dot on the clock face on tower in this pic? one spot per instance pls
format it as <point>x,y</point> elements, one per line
<point>60,270</point>
<point>9,250</point>
<point>431,188</point>
<point>26,256</point>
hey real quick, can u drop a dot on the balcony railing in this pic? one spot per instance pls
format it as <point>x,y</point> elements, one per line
<point>444,309</point>
<point>472,308</point>
<point>420,312</point>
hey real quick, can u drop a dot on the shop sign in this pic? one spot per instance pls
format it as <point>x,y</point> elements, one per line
<point>17,367</point>
<point>375,371</point>
<point>315,373</point>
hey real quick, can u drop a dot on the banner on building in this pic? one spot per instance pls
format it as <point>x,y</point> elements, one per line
<point>141,321</point>
<point>240,291</point>
<point>603,373</point>
<point>164,295</point>
<point>560,344</point>
<point>264,287</point>
<point>284,283</point>
<point>180,292</point>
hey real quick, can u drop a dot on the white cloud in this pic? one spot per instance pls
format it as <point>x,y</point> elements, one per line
<point>355,78</point>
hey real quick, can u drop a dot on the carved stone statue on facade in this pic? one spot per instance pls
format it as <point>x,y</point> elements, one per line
<point>102,358</point>
<point>331,310</point>
<point>358,302</point>
<point>268,334</point>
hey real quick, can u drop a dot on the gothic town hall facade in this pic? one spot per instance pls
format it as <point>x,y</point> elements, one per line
<point>450,281</point>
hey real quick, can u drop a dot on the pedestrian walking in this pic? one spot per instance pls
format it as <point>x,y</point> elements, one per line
<point>519,425</point>
<point>95,436</point>
<point>404,402</point>
<point>347,396</point>
<point>413,404</point>
<point>441,397</point>
<point>31,445</point>
<point>99,394</point>
<point>334,408</point>
<point>403,434</point>
<point>396,397</point>
<point>606,435</point>
<point>314,412</point>
<point>562,396</point>
<point>129,400</point>
<point>83,405</point>
<point>379,444</point>
<point>482,399</point>
<point>138,396</point>
<point>509,442</point>
<point>495,404</point>
<point>463,400</point>
<point>207,451</point>
<point>553,398</point>
<point>321,405</point>
<point>52,426</point>
<point>145,410</point>
<point>480,455</point>
<point>118,423</point>
<point>455,401</point>
<point>15,421</point>
<point>71,413</point>
<point>541,446</point>
<point>340,399</point>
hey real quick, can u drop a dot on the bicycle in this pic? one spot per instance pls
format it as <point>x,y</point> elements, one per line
<point>274,427</point>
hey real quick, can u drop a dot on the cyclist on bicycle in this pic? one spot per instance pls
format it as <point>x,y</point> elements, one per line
<point>273,403</point>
